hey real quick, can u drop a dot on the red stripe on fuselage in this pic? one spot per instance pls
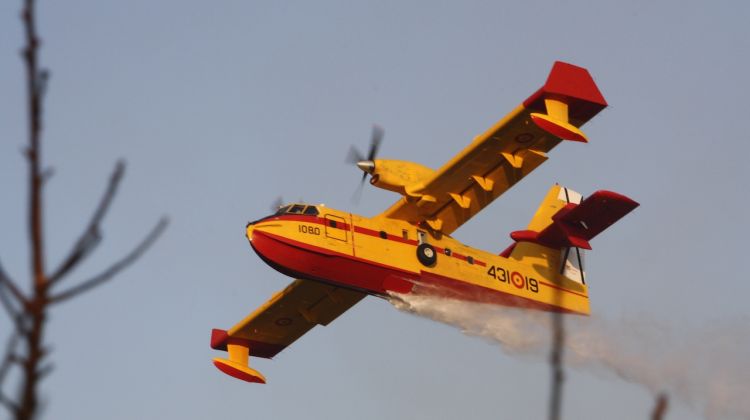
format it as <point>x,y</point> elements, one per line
<point>374,233</point>
<point>298,259</point>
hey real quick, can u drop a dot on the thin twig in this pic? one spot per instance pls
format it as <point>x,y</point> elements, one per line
<point>662,403</point>
<point>114,268</point>
<point>9,356</point>
<point>9,404</point>
<point>45,370</point>
<point>8,359</point>
<point>13,313</point>
<point>8,282</point>
<point>5,300</point>
<point>91,236</point>
<point>35,85</point>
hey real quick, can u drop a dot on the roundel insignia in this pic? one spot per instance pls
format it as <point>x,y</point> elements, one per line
<point>524,137</point>
<point>517,279</point>
<point>283,322</point>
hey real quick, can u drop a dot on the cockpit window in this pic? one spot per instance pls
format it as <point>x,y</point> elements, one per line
<point>282,209</point>
<point>296,209</point>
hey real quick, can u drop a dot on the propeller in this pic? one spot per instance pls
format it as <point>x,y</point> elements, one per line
<point>276,204</point>
<point>365,163</point>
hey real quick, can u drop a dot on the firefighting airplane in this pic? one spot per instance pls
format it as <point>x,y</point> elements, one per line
<point>338,258</point>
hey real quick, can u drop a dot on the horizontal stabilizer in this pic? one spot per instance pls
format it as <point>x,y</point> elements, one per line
<point>576,224</point>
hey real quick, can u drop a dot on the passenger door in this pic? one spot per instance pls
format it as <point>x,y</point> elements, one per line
<point>336,228</point>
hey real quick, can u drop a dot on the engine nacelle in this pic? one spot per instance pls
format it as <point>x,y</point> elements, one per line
<point>397,175</point>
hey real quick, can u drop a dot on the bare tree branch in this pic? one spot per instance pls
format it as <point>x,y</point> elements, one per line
<point>8,359</point>
<point>47,173</point>
<point>8,404</point>
<point>35,85</point>
<point>45,370</point>
<point>91,236</point>
<point>5,279</point>
<point>13,312</point>
<point>556,359</point>
<point>5,300</point>
<point>662,403</point>
<point>29,311</point>
<point>114,268</point>
<point>556,362</point>
<point>9,356</point>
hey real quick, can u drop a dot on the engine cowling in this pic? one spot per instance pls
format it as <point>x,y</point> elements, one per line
<point>398,175</point>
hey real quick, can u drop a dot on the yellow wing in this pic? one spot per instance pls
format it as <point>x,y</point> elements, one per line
<point>279,322</point>
<point>505,153</point>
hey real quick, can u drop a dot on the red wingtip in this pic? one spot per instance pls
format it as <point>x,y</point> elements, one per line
<point>573,81</point>
<point>240,372</point>
<point>219,339</point>
<point>576,85</point>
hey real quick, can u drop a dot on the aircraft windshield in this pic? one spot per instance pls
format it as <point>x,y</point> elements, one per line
<point>297,209</point>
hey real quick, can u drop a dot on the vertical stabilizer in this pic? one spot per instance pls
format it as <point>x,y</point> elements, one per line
<point>535,254</point>
<point>567,261</point>
<point>563,226</point>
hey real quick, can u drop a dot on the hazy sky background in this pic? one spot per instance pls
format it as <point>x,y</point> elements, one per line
<point>219,107</point>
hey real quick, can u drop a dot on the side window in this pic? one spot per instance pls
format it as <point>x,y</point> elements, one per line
<point>405,234</point>
<point>383,234</point>
<point>311,211</point>
<point>448,252</point>
<point>331,223</point>
<point>470,259</point>
<point>421,237</point>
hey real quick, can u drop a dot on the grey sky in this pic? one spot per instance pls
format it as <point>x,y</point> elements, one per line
<point>219,107</point>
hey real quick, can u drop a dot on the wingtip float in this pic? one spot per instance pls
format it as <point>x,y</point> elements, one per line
<point>239,356</point>
<point>338,258</point>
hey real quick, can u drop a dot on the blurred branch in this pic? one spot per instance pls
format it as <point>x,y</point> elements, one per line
<point>556,363</point>
<point>662,403</point>
<point>556,358</point>
<point>8,404</point>
<point>7,283</point>
<point>45,370</point>
<point>30,313</point>
<point>114,268</point>
<point>91,236</point>
<point>13,313</point>
<point>36,82</point>
<point>8,359</point>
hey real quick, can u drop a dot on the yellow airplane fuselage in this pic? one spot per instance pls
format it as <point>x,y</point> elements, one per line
<point>380,256</point>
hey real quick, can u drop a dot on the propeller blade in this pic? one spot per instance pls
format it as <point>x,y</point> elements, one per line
<point>276,204</point>
<point>357,196</point>
<point>354,156</point>
<point>375,140</point>
<point>366,164</point>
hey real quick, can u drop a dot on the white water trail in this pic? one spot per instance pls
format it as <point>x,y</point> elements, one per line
<point>708,367</point>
